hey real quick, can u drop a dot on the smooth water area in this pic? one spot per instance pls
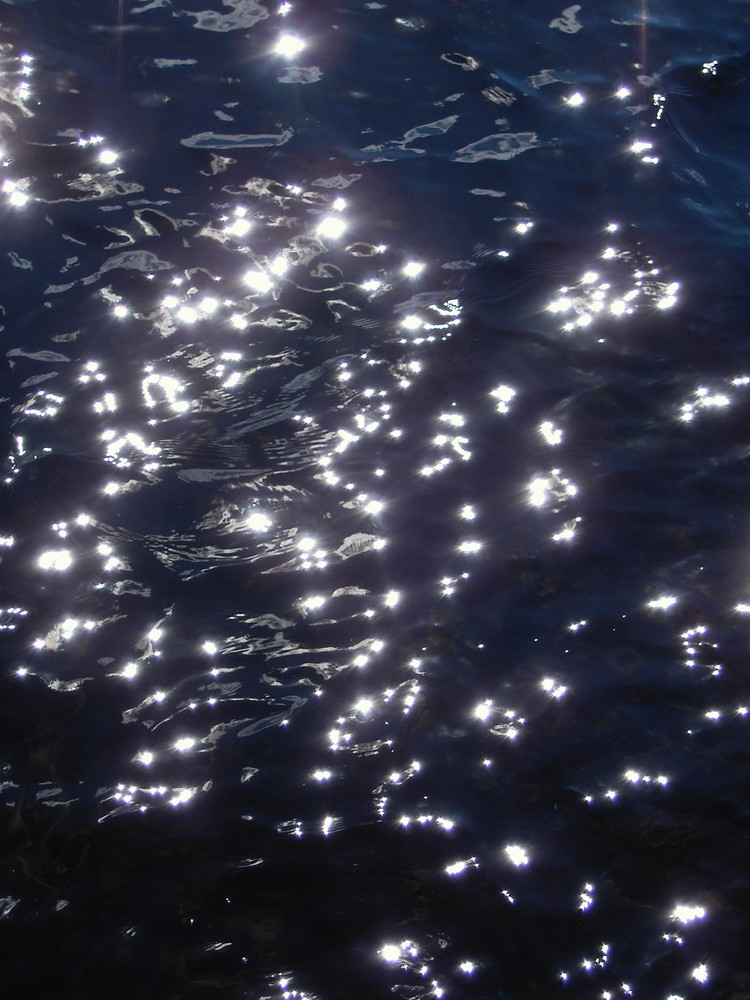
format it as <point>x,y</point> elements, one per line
<point>374,526</point>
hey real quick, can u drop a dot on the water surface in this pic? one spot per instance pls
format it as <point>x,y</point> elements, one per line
<point>374,525</point>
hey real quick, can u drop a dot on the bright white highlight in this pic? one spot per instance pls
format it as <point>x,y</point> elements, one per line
<point>413,269</point>
<point>289,46</point>
<point>665,603</point>
<point>700,973</point>
<point>59,560</point>
<point>258,522</point>
<point>517,855</point>
<point>685,913</point>
<point>258,281</point>
<point>503,394</point>
<point>331,227</point>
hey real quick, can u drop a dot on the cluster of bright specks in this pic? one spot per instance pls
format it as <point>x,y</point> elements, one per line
<point>235,318</point>
<point>9,618</point>
<point>598,965</point>
<point>133,798</point>
<point>705,399</point>
<point>418,962</point>
<point>700,651</point>
<point>43,404</point>
<point>16,190</point>
<point>288,992</point>
<point>505,722</point>
<point>623,285</point>
<point>630,779</point>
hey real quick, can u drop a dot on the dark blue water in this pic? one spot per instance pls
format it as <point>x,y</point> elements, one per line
<point>375,536</point>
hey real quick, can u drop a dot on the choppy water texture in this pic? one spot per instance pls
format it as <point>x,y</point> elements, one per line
<point>374,524</point>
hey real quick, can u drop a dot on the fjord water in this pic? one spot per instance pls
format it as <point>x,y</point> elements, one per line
<point>375,537</point>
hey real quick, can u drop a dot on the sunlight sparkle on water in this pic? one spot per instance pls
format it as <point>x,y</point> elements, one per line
<point>289,45</point>
<point>58,560</point>
<point>483,710</point>
<point>459,867</point>
<point>538,491</point>
<point>413,269</point>
<point>551,434</point>
<point>503,394</point>
<point>186,314</point>
<point>700,973</point>
<point>411,322</point>
<point>686,913</point>
<point>258,522</point>
<point>517,855</point>
<point>258,281</point>
<point>553,689</point>
<point>16,196</point>
<point>665,603</point>
<point>331,227</point>
<point>239,226</point>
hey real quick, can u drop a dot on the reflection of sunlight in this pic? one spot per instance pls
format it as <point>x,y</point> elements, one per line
<point>551,434</point>
<point>704,399</point>
<point>413,269</point>
<point>615,294</point>
<point>483,711</point>
<point>459,867</point>
<point>390,952</point>
<point>331,227</point>
<point>553,689</point>
<point>503,394</point>
<point>554,486</point>
<point>258,281</point>
<point>59,560</point>
<point>665,603</point>
<point>289,45</point>
<point>517,855</point>
<point>469,547</point>
<point>686,913</point>
<point>700,973</point>
<point>16,195</point>
<point>258,522</point>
